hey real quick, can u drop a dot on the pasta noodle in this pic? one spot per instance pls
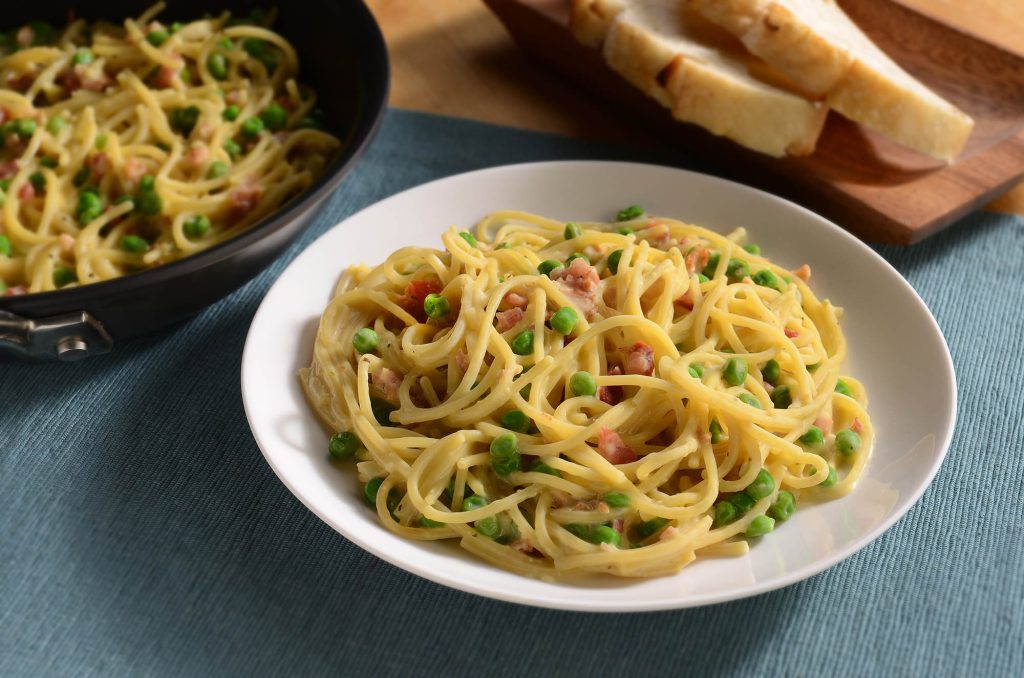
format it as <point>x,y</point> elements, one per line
<point>688,398</point>
<point>127,147</point>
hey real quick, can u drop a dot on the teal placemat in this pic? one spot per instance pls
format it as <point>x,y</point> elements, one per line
<point>142,533</point>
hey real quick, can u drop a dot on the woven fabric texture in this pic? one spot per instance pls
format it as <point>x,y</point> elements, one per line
<point>142,533</point>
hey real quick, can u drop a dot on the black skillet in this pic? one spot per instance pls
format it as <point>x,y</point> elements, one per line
<point>341,55</point>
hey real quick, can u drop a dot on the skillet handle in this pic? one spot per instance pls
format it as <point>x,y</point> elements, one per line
<point>65,337</point>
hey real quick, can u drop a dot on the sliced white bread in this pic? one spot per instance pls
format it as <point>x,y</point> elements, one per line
<point>814,43</point>
<point>699,71</point>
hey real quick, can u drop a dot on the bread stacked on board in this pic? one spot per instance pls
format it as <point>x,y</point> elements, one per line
<point>765,72</point>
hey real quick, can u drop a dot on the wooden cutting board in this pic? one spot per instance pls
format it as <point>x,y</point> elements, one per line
<point>869,185</point>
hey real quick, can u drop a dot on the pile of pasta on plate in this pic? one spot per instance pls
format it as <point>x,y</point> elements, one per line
<point>574,398</point>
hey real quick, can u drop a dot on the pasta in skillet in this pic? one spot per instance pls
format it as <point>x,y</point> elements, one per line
<point>572,398</point>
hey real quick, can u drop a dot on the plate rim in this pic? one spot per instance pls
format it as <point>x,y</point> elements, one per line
<point>942,443</point>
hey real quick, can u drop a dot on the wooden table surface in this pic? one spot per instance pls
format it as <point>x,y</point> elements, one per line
<point>453,57</point>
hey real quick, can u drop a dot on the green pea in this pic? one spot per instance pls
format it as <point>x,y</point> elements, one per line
<point>89,206</point>
<point>24,127</point>
<point>232,148</point>
<point>48,162</point>
<point>382,410</point>
<point>751,400</point>
<point>217,64</point>
<point>582,384</point>
<point>523,343</point>
<point>712,265</point>
<point>760,526</point>
<point>762,486</point>
<point>753,249</point>
<point>176,26</point>
<point>343,445</point>
<point>231,113</point>
<point>624,230</point>
<point>474,502</point>
<point>781,397</point>
<point>564,320</point>
<point>547,266</point>
<point>156,38</point>
<point>717,434</point>
<point>537,466</point>
<point>766,278</point>
<point>831,479</point>
<point>226,43</point>
<point>813,367</point>
<point>197,226</point>
<point>737,270</point>
<point>515,420</point>
<point>783,506</point>
<point>771,372</point>
<point>370,490</point>
<point>847,442</point>
<point>217,170</point>
<point>725,513</point>
<point>82,56</point>
<point>735,371</point>
<point>101,141</point>
<point>696,370</point>
<point>489,527</point>
<point>649,528</point>
<point>62,275</point>
<point>577,255</point>
<point>55,124</point>
<point>5,245</point>
<point>505,456</point>
<point>430,524</point>
<point>814,437</point>
<point>436,306</point>
<point>252,126</point>
<point>701,278</point>
<point>38,181</point>
<point>149,203</point>
<point>617,500</point>
<point>843,388</point>
<point>630,213</point>
<point>134,244</point>
<point>743,502</point>
<point>365,340</point>
<point>274,117</point>
<point>572,230</point>
<point>603,534</point>
<point>613,261</point>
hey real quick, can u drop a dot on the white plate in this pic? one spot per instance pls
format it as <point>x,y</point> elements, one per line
<point>895,348</point>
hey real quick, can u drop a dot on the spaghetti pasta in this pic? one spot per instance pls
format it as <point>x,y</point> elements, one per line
<point>127,147</point>
<point>565,399</point>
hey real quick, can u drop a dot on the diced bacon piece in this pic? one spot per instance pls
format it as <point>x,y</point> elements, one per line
<point>515,300</point>
<point>618,525</point>
<point>245,197</point>
<point>804,272</point>
<point>25,36</point>
<point>523,545</point>
<point>697,258</point>
<point>167,76</point>
<point>197,155</point>
<point>16,290</point>
<point>508,319</point>
<point>661,235</point>
<point>824,423</point>
<point>282,136</point>
<point>703,437</point>
<point>581,282</point>
<point>602,507</point>
<point>792,334</point>
<point>611,394</point>
<point>4,114</point>
<point>668,533</point>
<point>205,130</point>
<point>686,301</point>
<point>415,293</point>
<point>133,170</point>
<point>640,359</point>
<point>612,447</point>
<point>233,97</point>
<point>91,78</point>
<point>8,169</point>
<point>14,144</point>
<point>387,382</point>
<point>462,360</point>
<point>856,426</point>
<point>66,242</point>
<point>767,387</point>
<point>98,164</point>
<point>26,191</point>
